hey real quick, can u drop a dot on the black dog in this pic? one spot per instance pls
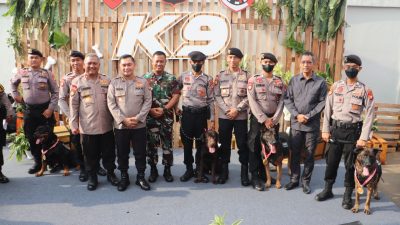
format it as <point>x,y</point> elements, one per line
<point>53,151</point>
<point>209,160</point>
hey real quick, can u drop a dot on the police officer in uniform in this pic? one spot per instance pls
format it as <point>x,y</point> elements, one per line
<point>5,113</point>
<point>166,95</point>
<point>40,95</point>
<point>305,99</point>
<point>265,92</point>
<point>197,107</point>
<point>76,62</point>
<point>90,117</point>
<point>343,127</point>
<point>231,99</point>
<point>129,101</point>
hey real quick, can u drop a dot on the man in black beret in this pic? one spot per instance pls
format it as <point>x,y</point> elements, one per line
<point>36,52</point>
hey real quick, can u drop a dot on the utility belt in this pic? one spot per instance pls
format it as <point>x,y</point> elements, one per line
<point>42,106</point>
<point>345,125</point>
<point>194,110</point>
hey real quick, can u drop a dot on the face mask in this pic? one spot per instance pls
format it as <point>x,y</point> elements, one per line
<point>268,68</point>
<point>351,73</point>
<point>197,67</point>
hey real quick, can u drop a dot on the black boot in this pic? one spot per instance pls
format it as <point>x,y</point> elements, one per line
<point>112,178</point>
<point>256,182</point>
<point>83,175</point>
<point>35,168</point>
<point>124,183</point>
<point>167,174</point>
<point>189,173</point>
<point>244,175</point>
<point>347,202</point>
<point>224,174</point>
<point>153,174</point>
<point>141,181</point>
<point>325,194</point>
<point>101,171</point>
<point>92,182</point>
<point>3,179</point>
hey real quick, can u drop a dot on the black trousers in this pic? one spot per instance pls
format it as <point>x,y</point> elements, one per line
<point>334,155</point>
<point>254,143</point>
<point>2,143</point>
<point>300,140</point>
<point>97,146</point>
<point>76,141</point>
<point>124,138</point>
<point>239,127</point>
<point>33,118</point>
<point>193,125</point>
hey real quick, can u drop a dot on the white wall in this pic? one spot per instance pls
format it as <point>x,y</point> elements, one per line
<point>374,34</point>
<point>7,62</point>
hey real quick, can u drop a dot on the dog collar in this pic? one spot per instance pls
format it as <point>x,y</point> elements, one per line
<point>45,151</point>
<point>367,180</point>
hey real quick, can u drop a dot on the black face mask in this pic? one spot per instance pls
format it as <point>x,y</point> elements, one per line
<point>197,67</point>
<point>351,73</point>
<point>268,68</point>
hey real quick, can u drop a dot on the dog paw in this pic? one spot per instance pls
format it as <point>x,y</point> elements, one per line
<point>278,185</point>
<point>39,174</point>
<point>66,174</point>
<point>268,184</point>
<point>367,211</point>
<point>354,209</point>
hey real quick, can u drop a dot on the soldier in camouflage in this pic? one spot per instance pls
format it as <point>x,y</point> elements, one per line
<point>165,90</point>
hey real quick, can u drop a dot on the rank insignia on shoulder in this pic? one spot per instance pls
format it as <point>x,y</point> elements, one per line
<point>370,94</point>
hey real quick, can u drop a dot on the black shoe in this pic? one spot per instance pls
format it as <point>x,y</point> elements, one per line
<point>167,174</point>
<point>124,183</point>
<point>325,194</point>
<point>83,175</point>
<point>35,168</point>
<point>140,181</point>
<point>112,178</point>
<point>153,174</point>
<point>347,202</point>
<point>244,175</point>
<point>258,184</point>
<point>3,179</point>
<point>92,182</point>
<point>224,174</point>
<point>187,175</point>
<point>306,188</point>
<point>101,171</point>
<point>291,185</point>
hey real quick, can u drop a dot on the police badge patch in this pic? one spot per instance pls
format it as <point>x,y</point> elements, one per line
<point>237,5</point>
<point>173,2</point>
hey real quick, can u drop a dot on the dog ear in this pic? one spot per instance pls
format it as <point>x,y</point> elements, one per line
<point>357,150</point>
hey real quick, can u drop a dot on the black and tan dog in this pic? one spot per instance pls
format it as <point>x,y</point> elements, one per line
<point>271,153</point>
<point>209,160</point>
<point>367,173</point>
<point>53,151</point>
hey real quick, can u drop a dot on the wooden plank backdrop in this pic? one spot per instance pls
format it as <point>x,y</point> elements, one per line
<point>92,22</point>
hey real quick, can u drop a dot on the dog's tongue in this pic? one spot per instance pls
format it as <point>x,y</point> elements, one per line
<point>38,141</point>
<point>365,171</point>
<point>272,148</point>
<point>211,150</point>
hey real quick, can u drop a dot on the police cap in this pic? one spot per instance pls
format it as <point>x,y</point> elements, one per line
<point>197,56</point>
<point>236,52</point>
<point>34,51</point>
<point>352,59</point>
<point>269,56</point>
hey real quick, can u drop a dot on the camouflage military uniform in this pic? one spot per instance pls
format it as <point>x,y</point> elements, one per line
<point>159,131</point>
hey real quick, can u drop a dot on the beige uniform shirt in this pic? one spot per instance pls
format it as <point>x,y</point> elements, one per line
<point>38,87</point>
<point>230,92</point>
<point>266,97</point>
<point>129,98</point>
<point>346,103</point>
<point>65,85</point>
<point>5,101</point>
<point>88,105</point>
<point>198,91</point>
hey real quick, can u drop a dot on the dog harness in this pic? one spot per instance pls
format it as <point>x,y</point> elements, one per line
<point>366,181</point>
<point>266,156</point>
<point>45,151</point>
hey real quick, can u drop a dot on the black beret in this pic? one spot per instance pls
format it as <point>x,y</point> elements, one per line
<point>33,51</point>
<point>352,59</point>
<point>75,53</point>
<point>236,52</point>
<point>197,56</point>
<point>269,56</point>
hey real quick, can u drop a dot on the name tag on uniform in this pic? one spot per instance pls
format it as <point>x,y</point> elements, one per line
<point>104,83</point>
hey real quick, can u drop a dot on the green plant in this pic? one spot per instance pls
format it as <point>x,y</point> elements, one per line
<point>19,146</point>
<point>244,63</point>
<point>375,125</point>
<point>263,10</point>
<point>327,75</point>
<point>220,220</point>
<point>297,46</point>
<point>20,107</point>
<point>285,75</point>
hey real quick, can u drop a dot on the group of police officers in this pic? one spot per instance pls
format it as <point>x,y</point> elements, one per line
<point>108,117</point>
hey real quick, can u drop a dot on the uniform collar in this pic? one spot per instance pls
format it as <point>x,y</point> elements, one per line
<point>313,76</point>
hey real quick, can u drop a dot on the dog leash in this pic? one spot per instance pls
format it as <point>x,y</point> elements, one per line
<point>367,180</point>
<point>44,152</point>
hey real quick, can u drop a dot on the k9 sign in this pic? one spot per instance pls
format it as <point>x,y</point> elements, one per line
<point>207,32</point>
